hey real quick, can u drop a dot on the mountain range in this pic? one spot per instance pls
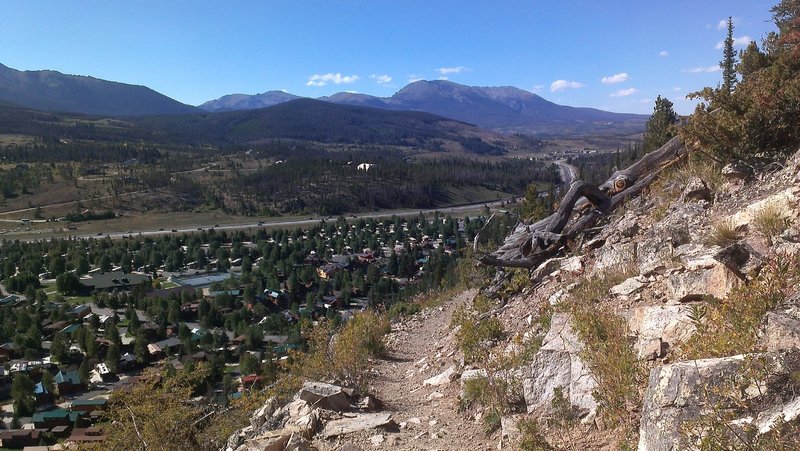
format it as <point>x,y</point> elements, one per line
<point>506,109</point>
<point>48,90</point>
<point>503,108</point>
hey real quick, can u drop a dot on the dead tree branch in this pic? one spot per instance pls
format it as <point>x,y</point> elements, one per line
<point>529,245</point>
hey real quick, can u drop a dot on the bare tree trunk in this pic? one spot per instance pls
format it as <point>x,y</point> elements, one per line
<point>529,245</point>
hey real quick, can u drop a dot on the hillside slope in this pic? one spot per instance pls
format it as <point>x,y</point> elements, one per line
<point>678,319</point>
<point>312,120</point>
<point>47,90</point>
<point>235,102</point>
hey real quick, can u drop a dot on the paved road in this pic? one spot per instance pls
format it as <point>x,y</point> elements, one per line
<point>312,220</point>
<point>569,173</point>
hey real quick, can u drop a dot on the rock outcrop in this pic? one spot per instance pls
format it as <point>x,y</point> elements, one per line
<point>318,410</point>
<point>680,393</point>
<point>558,365</point>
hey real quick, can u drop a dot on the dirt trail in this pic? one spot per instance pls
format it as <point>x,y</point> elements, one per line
<point>420,348</point>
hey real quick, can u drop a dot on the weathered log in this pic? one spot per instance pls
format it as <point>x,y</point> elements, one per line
<point>528,245</point>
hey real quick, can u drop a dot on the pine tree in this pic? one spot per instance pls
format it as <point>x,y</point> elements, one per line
<point>751,60</point>
<point>22,393</point>
<point>660,125</point>
<point>728,63</point>
<point>112,357</point>
<point>84,371</point>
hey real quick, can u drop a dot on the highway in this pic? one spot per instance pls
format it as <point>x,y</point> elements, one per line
<point>278,223</point>
<point>569,173</point>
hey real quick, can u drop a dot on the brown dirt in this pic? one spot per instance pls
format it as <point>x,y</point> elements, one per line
<point>419,348</point>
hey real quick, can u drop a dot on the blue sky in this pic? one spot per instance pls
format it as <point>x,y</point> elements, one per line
<point>615,55</point>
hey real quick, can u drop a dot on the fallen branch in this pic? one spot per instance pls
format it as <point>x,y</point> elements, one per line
<point>529,245</point>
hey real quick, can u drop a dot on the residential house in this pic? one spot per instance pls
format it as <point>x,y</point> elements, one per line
<point>88,405</point>
<point>57,417</point>
<point>10,300</point>
<point>42,394</point>
<point>155,351</point>
<point>251,381</point>
<point>327,271</point>
<point>8,351</point>
<point>127,361</point>
<point>170,345</point>
<point>80,311</point>
<point>85,435</point>
<point>112,281</point>
<point>20,438</point>
<point>68,382</point>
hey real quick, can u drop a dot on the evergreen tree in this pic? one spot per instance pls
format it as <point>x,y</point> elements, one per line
<point>751,60</point>
<point>22,394</point>
<point>728,63</point>
<point>660,125</point>
<point>83,371</point>
<point>59,349</point>
<point>112,357</point>
<point>140,350</point>
<point>49,382</point>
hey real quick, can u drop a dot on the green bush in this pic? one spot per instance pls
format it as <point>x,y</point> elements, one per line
<point>760,119</point>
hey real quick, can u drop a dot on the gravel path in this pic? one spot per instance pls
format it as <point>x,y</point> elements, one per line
<point>419,348</point>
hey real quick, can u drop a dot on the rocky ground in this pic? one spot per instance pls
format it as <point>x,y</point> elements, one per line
<point>668,263</point>
<point>419,383</point>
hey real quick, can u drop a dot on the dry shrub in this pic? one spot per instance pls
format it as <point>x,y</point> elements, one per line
<point>476,335</point>
<point>608,352</point>
<point>770,222</point>
<point>731,326</point>
<point>336,356</point>
<point>723,233</point>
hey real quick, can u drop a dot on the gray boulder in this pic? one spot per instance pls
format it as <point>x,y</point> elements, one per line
<point>558,365</point>
<point>659,328</point>
<point>326,396</point>
<point>679,393</point>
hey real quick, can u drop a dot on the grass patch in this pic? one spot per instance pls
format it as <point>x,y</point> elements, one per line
<point>608,352</point>
<point>475,336</point>
<point>770,223</point>
<point>731,326</point>
<point>499,392</point>
<point>165,284</point>
<point>669,186</point>
<point>336,355</point>
<point>612,359</point>
<point>79,300</point>
<point>697,166</point>
<point>723,233</point>
<point>532,437</point>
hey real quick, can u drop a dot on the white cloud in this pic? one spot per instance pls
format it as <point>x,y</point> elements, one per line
<point>645,100</point>
<point>702,69</point>
<point>614,79</point>
<point>451,70</point>
<point>737,42</point>
<point>663,53</point>
<point>677,89</point>
<point>381,79</point>
<point>560,85</point>
<point>537,88</point>
<point>625,92</point>
<point>443,78</point>
<point>414,78</point>
<point>337,79</point>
